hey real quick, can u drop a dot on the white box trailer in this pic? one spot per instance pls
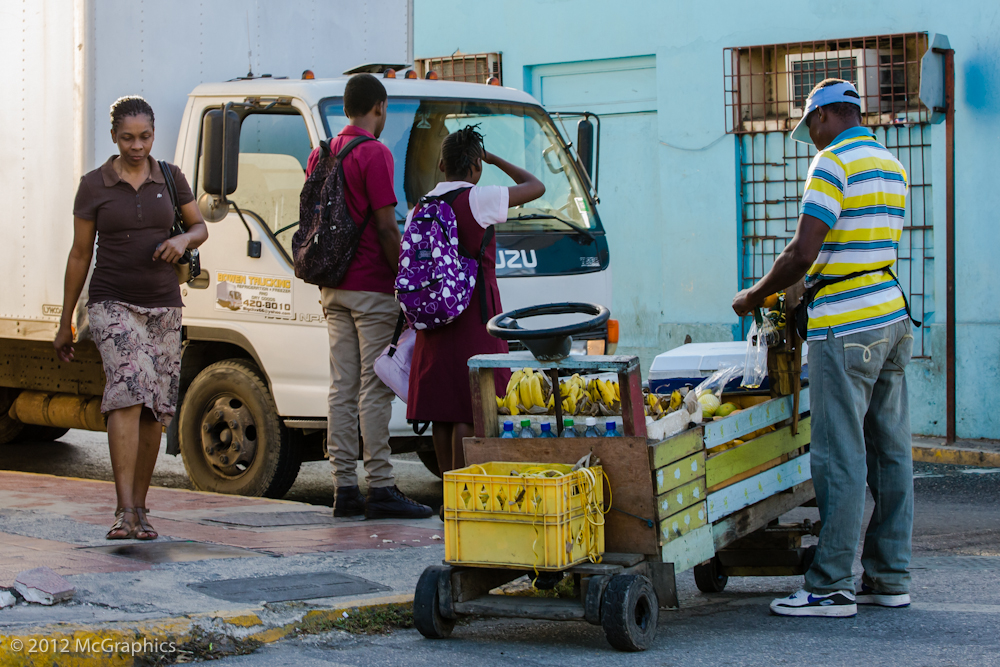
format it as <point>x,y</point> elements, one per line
<point>254,374</point>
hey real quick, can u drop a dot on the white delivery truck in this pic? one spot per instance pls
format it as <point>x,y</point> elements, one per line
<point>255,376</point>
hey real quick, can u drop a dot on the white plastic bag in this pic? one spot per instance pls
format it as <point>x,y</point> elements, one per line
<point>761,336</point>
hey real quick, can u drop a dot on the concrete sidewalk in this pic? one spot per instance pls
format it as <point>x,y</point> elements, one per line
<point>214,571</point>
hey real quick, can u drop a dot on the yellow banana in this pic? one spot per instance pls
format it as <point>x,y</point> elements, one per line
<point>569,406</point>
<point>515,378</point>
<point>500,402</point>
<point>524,392</point>
<point>552,402</point>
<point>512,403</point>
<point>618,391</point>
<point>675,400</point>
<point>565,389</point>
<point>607,393</point>
<point>535,384</point>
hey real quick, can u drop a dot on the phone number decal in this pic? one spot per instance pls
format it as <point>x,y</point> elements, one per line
<point>269,296</point>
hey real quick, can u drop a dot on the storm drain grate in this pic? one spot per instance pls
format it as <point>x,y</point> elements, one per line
<point>174,552</point>
<point>274,519</point>
<point>956,563</point>
<point>288,587</point>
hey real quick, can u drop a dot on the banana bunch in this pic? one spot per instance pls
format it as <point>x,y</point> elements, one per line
<point>658,406</point>
<point>528,392</point>
<point>574,395</point>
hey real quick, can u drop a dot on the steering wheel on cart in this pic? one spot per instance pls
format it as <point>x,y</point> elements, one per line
<point>551,344</point>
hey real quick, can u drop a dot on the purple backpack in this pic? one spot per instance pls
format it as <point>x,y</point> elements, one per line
<point>436,274</point>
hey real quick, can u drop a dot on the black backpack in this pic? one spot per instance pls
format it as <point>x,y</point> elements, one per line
<point>327,237</point>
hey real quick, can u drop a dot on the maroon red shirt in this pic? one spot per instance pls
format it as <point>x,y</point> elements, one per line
<point>368,176</point>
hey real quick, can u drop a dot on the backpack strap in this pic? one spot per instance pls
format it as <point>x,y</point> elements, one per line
<point>341,154</point>
<point>484,312</point>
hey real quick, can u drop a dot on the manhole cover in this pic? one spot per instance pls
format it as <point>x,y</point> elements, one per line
<point>174,552</point>
<point>956,563</point>
<point>288,587</point>
<point>274,519</point>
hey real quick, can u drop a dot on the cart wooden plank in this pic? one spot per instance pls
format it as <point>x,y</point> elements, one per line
<point>757,488</point>
<point>625,461</point>
<point>680,472</point>
<point>742,523</point>
<point>721,431</point>
<point>756,452</point>
<point>683,522</point>
<point>689,550</point>
<point>675,448</point>
<point>484,407</point>
<point>515,606</point>
<point>675,500</point>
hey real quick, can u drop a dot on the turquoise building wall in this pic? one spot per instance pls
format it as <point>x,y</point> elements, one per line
<point>669,173</point>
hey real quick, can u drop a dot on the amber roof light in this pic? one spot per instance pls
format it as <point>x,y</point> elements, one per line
<point>431,75</point>
<point>308,74</point>
<point>389,74</point>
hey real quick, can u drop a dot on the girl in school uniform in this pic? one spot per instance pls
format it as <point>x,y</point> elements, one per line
<point>439,374</point>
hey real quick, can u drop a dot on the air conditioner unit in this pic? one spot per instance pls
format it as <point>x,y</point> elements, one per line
<point>805,70</point>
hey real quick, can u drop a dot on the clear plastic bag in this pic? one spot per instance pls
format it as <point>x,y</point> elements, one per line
<point>761,336</point>
<point>717,381</point>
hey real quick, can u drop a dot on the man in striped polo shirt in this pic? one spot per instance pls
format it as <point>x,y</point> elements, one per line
<point>859,344</point>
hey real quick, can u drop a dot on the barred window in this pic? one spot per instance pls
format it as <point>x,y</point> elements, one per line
<point>469,67</point>
<point>766,86</point>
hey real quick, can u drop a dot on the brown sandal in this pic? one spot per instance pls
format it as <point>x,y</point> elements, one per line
<point>122,526</point>
<point>144,527</point>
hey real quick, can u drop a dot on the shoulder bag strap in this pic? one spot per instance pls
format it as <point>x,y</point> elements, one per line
<point>168,178</point>
<point>400,323</point>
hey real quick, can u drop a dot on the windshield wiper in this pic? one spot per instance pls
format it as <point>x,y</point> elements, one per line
<point>548,216</point>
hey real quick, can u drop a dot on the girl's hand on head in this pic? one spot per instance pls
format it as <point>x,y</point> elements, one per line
<point>488,157</point>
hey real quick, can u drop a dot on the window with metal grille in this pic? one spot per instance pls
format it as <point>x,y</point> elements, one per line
<point>775,81</point>
<point>766,86</point>
<point>468,67</point>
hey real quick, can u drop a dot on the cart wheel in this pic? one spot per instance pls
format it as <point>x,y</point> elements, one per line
<point>629,611</point>
<point>592,603</point>
<point>426,609</point>
<point>808,557</point>
<point>708,577</point>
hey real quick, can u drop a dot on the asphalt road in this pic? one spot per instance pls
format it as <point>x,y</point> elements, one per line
<point>955,618</point>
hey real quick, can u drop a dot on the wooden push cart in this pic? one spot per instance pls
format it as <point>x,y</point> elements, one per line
<point>678,504</point>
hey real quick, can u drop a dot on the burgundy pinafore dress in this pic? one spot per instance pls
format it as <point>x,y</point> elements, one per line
<point>439,372</point>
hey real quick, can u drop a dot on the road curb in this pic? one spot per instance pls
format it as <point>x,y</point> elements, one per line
<point>117,644</point>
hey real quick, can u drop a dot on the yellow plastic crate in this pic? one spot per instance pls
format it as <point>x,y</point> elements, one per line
<point>495,517</point>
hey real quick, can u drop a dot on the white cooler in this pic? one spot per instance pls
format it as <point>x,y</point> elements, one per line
<point>690,364</point>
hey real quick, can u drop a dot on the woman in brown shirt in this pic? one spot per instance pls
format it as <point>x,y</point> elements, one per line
<point>135,301</point>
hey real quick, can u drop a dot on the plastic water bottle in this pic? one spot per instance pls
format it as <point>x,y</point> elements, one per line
<point>547,431</point>
<point>508,430</point>
<point>569,429</point>
<point>526,430</point>
<point>591,431</point>
<point>611,430</point>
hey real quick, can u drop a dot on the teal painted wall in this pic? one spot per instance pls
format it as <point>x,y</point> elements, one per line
<point>674,251</point>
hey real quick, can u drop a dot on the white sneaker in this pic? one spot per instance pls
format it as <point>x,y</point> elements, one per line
<point>871,596</point>
<point>840,604</point>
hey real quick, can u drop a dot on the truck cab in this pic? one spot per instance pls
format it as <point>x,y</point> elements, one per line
<point>255,369</point>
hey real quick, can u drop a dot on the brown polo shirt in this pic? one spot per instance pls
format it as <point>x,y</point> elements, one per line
<point>130,225</point>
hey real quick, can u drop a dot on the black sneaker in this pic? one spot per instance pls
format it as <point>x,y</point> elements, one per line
<point>839,604</point>
<point>348,501</point>
<point>388,502</point>
<point>870,596</point>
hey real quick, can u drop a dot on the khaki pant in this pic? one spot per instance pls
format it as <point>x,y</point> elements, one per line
<point>361,325</point>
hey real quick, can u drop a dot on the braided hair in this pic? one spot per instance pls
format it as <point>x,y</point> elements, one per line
<point>128,106</point>
<point>461,149</point>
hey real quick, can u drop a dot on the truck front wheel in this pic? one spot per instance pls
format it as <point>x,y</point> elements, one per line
<point>231,437</point>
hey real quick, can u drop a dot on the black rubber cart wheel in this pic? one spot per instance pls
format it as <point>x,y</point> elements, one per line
<point>426,608</point>
<point>629,612</point>
<point>708,576</point>
<point>430,461</point>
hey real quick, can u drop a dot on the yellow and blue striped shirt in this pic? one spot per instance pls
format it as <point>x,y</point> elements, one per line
<point>858,188</point>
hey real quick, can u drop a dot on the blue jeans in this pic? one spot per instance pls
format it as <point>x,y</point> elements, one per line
<point>861,418</point>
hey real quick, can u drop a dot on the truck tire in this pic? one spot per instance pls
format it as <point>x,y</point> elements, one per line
<point>430,461</point>
<point>10,428</point>
<point>36,433</point>
<point>231,437</point>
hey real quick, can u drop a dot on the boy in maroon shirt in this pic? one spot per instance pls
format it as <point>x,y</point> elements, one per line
<point>361,315</point>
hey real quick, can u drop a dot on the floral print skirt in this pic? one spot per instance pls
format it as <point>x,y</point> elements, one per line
<point>141,352</point>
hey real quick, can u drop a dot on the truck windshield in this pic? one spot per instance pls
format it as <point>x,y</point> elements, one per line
<point>523,135</point>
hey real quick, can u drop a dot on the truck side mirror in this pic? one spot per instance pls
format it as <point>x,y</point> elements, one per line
<point>222,152</point>
<point>585,145</point>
